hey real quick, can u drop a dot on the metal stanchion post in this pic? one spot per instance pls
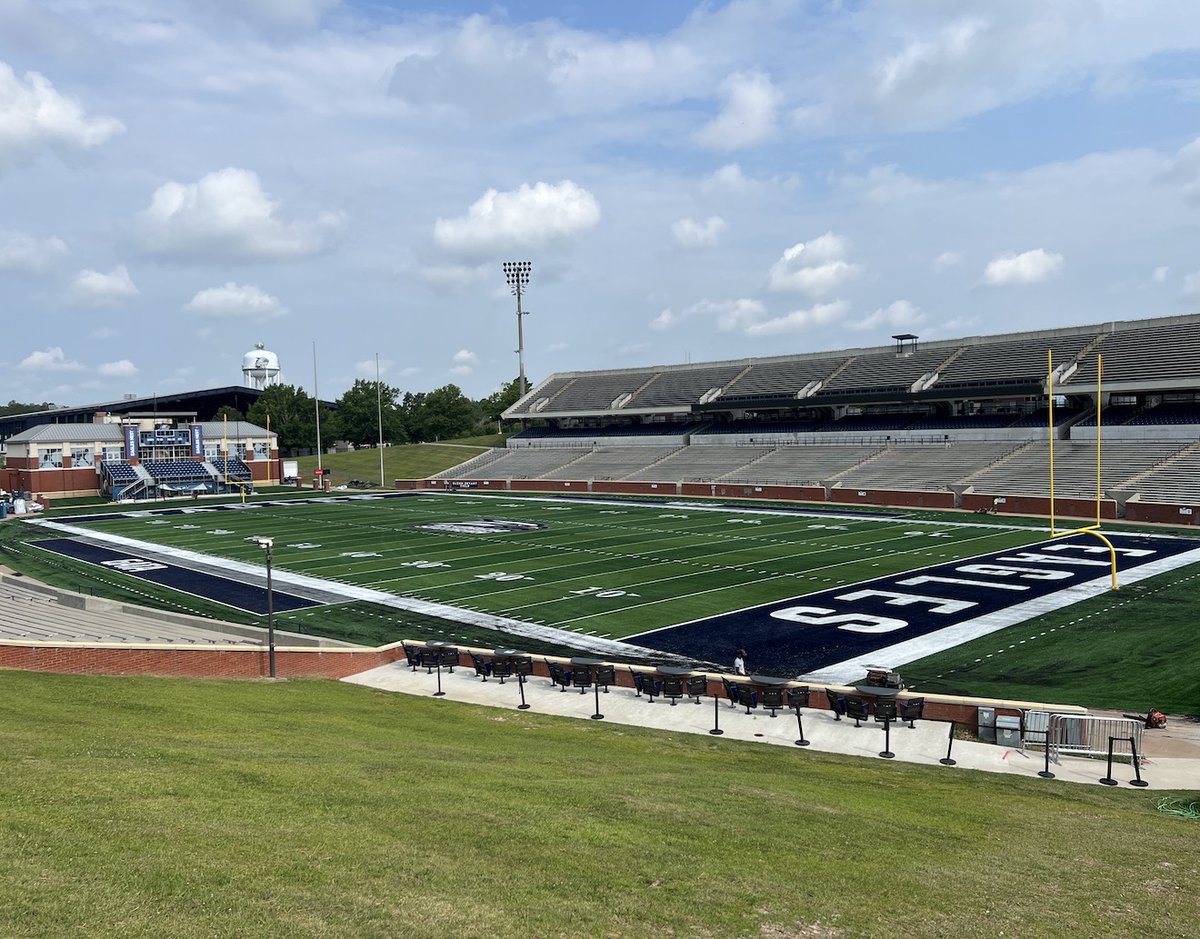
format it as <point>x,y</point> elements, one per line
<point>597,716</point>
<point>946,760</point>
<point>1045,773</point>
<point>521,685</point>
<point>887,753</point>
<point>439,693</point>
<point>1108,778</point>
<point>716,728</point>
<point>800,726</point>
<point>1137,769</point>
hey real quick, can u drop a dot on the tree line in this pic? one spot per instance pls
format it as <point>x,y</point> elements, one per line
<point>407,417</point>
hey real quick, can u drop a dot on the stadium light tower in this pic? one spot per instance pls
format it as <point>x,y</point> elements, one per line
<point>517,274</point>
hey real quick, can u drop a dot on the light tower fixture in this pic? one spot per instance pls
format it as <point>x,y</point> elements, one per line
<point>516,273</point>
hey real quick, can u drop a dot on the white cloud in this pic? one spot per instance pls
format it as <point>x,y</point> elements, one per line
<point>946,260</point>
<point>528,217</point>
<point>235,301</point>
<point>692,234</point>
<point>729,177</point>
<point>49,360</point>
<point>454,277</point>
<point>1191,286</point>
<point>815,267</point>
<point>1184,170</point>
<point>33,115</point>
<point>287,16</point>
<point>1160,274</point>
<point>464,362</point>
<point>122,368</point>
<point>1030,267</point>
<point>820,314</point>
<point>23,253</point>
<point>748,113</point>
<point>366,368</point>
<point>226,216</point>
<point>92,288</point>
<point>728,314</point>
<point>898,315</point>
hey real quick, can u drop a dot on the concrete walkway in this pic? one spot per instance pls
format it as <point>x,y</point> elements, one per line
<point>924,744</point>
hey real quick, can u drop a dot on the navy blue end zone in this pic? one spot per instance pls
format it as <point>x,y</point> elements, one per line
<point>803,634</point>
<point>232,593</point>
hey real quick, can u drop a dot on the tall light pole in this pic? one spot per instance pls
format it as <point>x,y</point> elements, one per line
<point>267,544</point>
<point>379,412</point>
<point>517,274</point>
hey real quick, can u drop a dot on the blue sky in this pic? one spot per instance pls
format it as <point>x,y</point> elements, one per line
<point>180,180</point>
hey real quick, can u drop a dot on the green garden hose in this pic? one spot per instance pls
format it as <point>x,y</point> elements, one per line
<point>1178,807</point>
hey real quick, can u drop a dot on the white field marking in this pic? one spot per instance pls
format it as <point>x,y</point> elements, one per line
<point>918,648</point>
<point>351,592</point>
<point>679,597</point>
<point>754,510</point>
<point>964,560</point>
<point>734,545</point>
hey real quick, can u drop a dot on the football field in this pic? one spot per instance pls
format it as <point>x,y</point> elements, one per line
<point>695,580</point>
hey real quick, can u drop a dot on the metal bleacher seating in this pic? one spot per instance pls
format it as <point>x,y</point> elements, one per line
<point>925,467</point>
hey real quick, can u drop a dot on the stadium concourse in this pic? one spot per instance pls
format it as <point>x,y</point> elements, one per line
<point>1171,764</point>
<point>951,423</point>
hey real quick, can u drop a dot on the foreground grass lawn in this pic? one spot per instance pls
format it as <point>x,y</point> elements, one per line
<point>153,807</point>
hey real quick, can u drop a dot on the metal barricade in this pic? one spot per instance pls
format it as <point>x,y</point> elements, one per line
<point>1087,735</point>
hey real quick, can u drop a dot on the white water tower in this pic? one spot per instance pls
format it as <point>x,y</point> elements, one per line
<point>260,368</point>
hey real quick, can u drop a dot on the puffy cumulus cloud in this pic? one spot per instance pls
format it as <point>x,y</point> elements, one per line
<point>93,288</point>
<point>49,360</point>
<point>1159,276</point>
<point>22,253</point>
<point>898,315</point>
<point>366,368</point>
<point>1191,286</point>
<point>728,178</point>
<point>692,234</point>
<point>122,368</point>
<point>34,116</point>
<point>750,102</point>
<point>814,267</point>
<point>529,217</point>
<point>728,314</point>
<point>235,301</point>
<point>947,260</point>
<point>226,216</point>
<point>464,362</point>
<point>1030,267</point>
<point>820,314</point>
<point>1183,170</point>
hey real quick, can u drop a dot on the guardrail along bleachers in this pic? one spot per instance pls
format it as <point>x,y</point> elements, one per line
<point>1113,416</point>
<point>699,463</point>
<point>653,429</point>
<point>886,370</point>
<point>925,467</point>
<point>1041,418</point>
<point>1017,360</point>
<point>1074,467</point>
<point>1148,353</point>
<point>781,379</point>
<point>610,463</point>
<point>803,466</point>
<point>597,392</point>
<point>684,387</point>
<point>972,422</point>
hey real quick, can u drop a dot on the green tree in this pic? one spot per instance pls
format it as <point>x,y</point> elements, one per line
<point>228,411</point>
<point>439,414</point>
<point>495,404</point>
<point>359,411</point>
<point>292,417</point>
<point>17,407</point>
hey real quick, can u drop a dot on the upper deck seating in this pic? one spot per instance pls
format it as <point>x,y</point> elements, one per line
<point>684,387</point>
<point>1163,352</point>
<point>1011,361</point>
<point>886,370</point>
<point>781,379</point>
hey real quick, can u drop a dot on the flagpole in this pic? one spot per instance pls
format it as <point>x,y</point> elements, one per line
<point>317,409</point>
<point>379,410</point>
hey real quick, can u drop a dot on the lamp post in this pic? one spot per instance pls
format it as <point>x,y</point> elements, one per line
<point>267,544</point>
<point>516,273</point>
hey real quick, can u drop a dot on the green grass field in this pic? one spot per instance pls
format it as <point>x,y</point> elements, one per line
<point>620,568</point>
<point>608,570</point>
<point>410,461</point>
<point>192,809</point>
